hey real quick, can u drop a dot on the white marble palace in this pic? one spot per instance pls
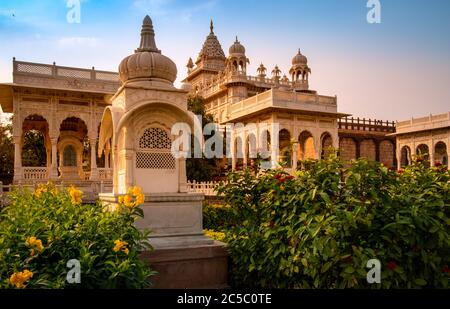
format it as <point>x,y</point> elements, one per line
<point>66,105</point>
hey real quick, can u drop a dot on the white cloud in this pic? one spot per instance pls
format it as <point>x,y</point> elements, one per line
<point>70,42</point>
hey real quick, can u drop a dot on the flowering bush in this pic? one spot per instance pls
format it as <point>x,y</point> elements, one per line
<point>320,228</point>
<point>41,231</point>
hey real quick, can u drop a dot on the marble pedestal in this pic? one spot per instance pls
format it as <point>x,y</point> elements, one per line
<point>183,256</point>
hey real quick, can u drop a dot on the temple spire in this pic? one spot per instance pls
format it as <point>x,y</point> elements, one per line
<point>147,37</point>
<point>211,26</point>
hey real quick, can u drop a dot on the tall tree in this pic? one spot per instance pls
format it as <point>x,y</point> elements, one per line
<point>33,150</point>
<point>200,169</point>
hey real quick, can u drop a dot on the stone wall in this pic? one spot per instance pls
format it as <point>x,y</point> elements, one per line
<point>387,153</point>
<point>347,149</point>
<point>368,149</point>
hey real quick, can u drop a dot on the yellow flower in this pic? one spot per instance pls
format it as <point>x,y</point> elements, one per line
<point>128,201</point>
<point>18,279</point>
<point>120,246</point>
<point>136,191</point>
<point>35,245</point>
<point>75,195</point>
<point>215,235</point>
<point>121,199</point>
<point>140,199</point>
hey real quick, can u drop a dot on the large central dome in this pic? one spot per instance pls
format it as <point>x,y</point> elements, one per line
<point>147,63</point>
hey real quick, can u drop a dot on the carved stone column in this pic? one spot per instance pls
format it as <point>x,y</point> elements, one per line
<point>294,156</point>
<point>18,158</point>
<point>107,151</point>
<point>274,144</point>
<point>54,165</point>
<point>94,170</point>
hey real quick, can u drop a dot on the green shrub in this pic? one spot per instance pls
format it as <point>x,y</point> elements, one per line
<point>41,231</point>
<point>319,228</point>
<point>218,217</point>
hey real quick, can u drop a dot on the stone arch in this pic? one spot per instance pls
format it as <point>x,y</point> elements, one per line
<point>326,145</point>
<point>84,118</point>
<point>73,131</point>
<point>424,151</point>
<point>368,149</point>
<point>387,149</point>
<point>285,148</point>
<point>264,144</point>
<point>35,140</point>
<point>239,151</point>
<point>136,164</point>
<point>405,156</point>
<point>307,147</point>
<point>251,147</point>
<point>440,153</point>
<point>71,171</point>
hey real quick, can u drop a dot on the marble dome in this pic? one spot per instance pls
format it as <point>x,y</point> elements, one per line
<point>147,63</point>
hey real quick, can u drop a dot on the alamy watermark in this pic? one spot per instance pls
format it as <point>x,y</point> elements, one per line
<point>74,274</point>
<point>374,14</point>
<point>233,140</point>
<point>374,274</point>
<point>74,13</point>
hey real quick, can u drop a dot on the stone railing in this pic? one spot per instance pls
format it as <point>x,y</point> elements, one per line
<point>67,77</point>
<point>424,123</point>
<point>208,188</point>
<point>35,173</point>
<point>371,125</point>
<point>105,173</point>
<point>240,76</point>
<point>289,100</point>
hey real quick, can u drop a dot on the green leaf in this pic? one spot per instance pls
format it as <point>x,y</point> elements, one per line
<point>349,270</point>
<point>420,282</point>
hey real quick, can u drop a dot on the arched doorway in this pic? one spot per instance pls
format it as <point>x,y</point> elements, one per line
<point>239,152</point>
<point>251,152</point>
<point>405,156</point>
<point>440,153</point>
<point>73,150</point>
<point>35,148</point>
<point>326,145</point>
<point>264,150</point>
<point>307,149</point>
<point>423,151</point>
<point>285,148</point>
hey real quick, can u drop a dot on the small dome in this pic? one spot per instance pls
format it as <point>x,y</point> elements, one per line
<point>299,59</point>
<point>237,48</point>
<point>147,62</point>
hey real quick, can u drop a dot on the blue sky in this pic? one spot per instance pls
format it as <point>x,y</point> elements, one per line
<point>394,70</point>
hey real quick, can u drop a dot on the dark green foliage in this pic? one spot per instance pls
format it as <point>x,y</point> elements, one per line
<point>319,228</point>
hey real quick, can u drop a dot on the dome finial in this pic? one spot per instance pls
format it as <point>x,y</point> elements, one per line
<point>147,37</point>
<point>237,39</point>
<point>211,26</point>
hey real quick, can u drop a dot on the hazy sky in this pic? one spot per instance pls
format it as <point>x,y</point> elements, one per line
<point>392,71</point>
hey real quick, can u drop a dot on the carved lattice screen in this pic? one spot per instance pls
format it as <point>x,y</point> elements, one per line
<point>154,150</point>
